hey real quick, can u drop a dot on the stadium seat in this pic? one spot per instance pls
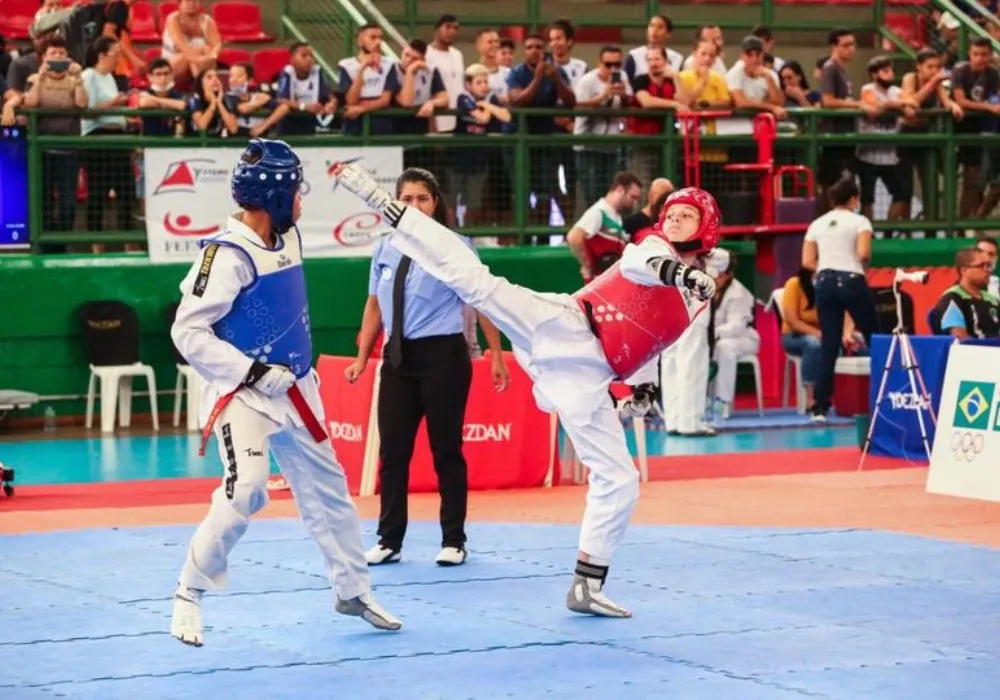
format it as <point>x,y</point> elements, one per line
<point>152,53</point>
<point>230,57</point>
<point>144,29</point>
<point>240,21</point>
<point>268,63</point>
<point>165,8</point>
<point>906,26</point>
<point>16,18</point>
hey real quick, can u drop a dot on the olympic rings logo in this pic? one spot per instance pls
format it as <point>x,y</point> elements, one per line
<point>966,445</point>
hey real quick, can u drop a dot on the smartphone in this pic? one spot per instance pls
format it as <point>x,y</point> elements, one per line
<point>60,65</point>
<point>616,76</point>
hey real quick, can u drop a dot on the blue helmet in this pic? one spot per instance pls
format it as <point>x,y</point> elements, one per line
<point>267,177</point>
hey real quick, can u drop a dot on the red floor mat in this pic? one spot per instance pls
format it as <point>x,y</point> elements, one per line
<point>837,459</point>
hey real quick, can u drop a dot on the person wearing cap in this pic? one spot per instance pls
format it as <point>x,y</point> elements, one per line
<point>751,85</point>
<point>442,56</point>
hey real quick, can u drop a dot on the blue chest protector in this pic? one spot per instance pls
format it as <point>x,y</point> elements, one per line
<point>269,320</point>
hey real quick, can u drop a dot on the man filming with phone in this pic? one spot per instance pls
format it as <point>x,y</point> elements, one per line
<point>605,87</point>
<point>58,85</point>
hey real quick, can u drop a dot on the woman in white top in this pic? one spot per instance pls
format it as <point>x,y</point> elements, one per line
<point>191,40</point>
<point>838,247</point>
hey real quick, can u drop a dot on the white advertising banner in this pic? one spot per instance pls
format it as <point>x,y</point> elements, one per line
<point>188,198</point>
<point>965,460</point>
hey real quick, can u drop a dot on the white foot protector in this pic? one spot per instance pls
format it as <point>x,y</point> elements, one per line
<point>186,624</point>
<point>382,555</point>
<point>451,556</point>
<point>365,607</point>
<point>587,597</point>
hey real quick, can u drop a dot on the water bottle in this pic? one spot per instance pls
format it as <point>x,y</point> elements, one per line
<point>50,419</point>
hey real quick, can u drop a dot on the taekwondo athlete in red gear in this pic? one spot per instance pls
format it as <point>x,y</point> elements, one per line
<point>243,324</point>
<point>574,346</point>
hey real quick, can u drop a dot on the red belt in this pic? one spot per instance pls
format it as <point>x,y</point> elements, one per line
<point>298,401</point>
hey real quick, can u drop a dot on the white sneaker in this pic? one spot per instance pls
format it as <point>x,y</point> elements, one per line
<point>587,597</point>
<point>365,607</point>
<point>451,556</point>
<point>186,624</point>
<point>382,555</point>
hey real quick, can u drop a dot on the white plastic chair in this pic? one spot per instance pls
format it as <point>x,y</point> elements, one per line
<point>187,377</point>
<point>758,386</point>
<point>800,389</point>
<point>116,393</point>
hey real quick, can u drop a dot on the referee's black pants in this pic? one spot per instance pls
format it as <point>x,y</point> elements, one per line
<point>432,381</point>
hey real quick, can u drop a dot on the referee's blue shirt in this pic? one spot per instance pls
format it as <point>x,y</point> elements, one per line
<point>429,307</point>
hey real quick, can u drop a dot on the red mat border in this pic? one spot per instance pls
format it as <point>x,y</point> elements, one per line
<point>187,491</point>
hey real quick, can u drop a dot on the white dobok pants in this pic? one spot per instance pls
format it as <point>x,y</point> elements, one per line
<point>316,479</point>
<point>684,378</point>
<point>554,344</point>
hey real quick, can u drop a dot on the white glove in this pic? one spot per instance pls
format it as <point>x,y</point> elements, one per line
<point>360,183</point>
<point>701,283</point>
<point>270,380</point>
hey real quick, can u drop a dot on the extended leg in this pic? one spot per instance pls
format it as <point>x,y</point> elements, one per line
<point>243,442</point>
<point>516,311</point>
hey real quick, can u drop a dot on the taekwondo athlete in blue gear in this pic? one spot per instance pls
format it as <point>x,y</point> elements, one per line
<point>243,324</point>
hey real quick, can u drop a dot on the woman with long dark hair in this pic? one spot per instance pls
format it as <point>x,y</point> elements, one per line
<point>426,373</point>
<point>838,247</point>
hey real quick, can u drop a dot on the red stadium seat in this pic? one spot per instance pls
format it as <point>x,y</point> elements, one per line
<point>16,17</point>
<point>144,29</point>
<point>165,8</point>
<point>598,35</point>
<point>240,21</point>
<point>231,57</point>
<point>906,26</point>
<point>268,63</point>
<point>152,53</point>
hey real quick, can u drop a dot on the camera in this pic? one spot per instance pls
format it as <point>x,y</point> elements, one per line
<point>919,276</point>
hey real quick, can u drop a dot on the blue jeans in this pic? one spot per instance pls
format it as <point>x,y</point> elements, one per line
<point>837,293</point>
<point>809,348</point>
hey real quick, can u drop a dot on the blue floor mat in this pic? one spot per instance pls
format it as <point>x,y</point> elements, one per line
<point>741,613</point>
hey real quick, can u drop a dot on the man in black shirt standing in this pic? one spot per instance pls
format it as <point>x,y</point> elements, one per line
<point>646,217</point>
<point>975,85</point>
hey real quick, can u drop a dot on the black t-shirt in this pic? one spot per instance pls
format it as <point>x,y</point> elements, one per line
<point>957,309</point>
<point>196,103</point>
<point>162,126</point>
<point>836,82</point>
<point>978,87</point>
<point>116,13</point>
<point>636,222</point>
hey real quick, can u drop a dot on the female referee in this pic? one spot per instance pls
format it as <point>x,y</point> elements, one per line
<point>426,372</point>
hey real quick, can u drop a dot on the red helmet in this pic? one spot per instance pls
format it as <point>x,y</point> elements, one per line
<point>708,233</point>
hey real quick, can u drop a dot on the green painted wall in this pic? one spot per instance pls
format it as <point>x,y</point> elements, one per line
<point>41,350</point>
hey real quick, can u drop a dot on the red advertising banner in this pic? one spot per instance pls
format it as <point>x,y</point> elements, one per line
<point>347,407</point>
<point>506,436</point>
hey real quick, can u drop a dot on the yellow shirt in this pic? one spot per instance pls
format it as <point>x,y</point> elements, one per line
<point>715,93</point>
<point>795,300</point>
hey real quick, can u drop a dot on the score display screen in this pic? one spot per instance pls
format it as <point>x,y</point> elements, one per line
<point>13,188</point>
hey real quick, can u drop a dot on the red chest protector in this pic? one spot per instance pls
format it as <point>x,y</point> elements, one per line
<point>633,322</point>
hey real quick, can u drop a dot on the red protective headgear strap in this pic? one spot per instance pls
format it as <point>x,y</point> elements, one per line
<point>709,230</point>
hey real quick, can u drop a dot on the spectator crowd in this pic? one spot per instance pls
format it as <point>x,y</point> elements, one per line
<point>194,91</point>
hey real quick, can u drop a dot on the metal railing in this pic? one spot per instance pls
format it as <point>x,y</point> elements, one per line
<point>520,166</point>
